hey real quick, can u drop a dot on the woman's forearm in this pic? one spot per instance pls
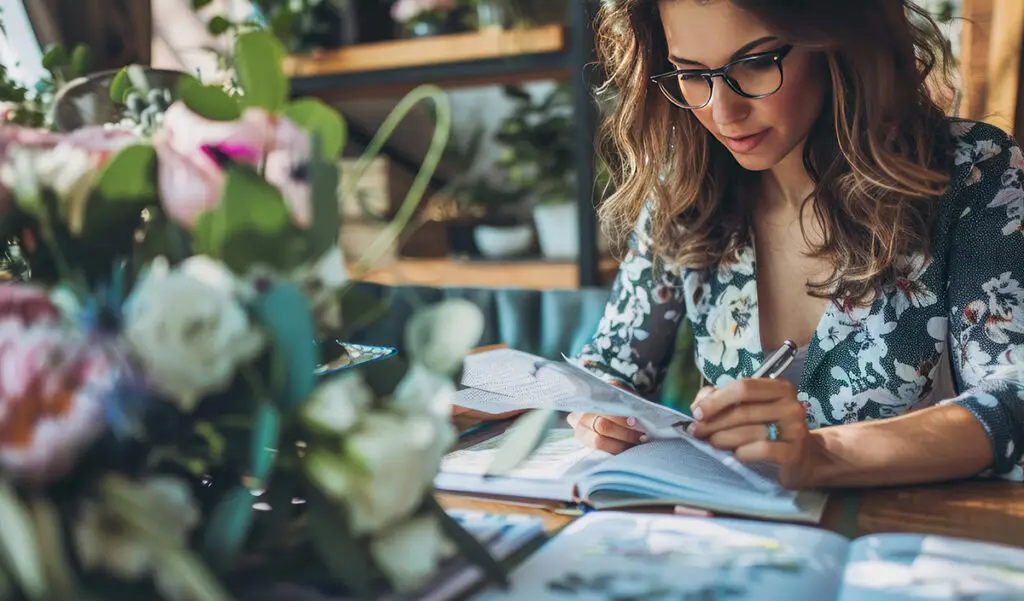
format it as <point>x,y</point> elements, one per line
<point>939,443</point>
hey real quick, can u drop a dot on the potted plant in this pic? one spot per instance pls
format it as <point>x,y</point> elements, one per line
<point>537,163</point>
<point>422,18</point>
<point>301,25</point>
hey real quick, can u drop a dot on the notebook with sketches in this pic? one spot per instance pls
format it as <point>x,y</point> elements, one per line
<point>658,473</point>
<point>505,536</point>
<point>608,556</point>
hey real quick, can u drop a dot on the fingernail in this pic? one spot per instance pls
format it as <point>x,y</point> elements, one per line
<point>698,414</point>
<point>630,421</point>
<point>644,439</point>
<point>691,428</point>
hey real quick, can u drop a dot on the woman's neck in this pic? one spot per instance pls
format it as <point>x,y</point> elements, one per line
<point>787,185</point>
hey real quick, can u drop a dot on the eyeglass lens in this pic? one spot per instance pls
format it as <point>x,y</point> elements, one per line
<point>756,77</point>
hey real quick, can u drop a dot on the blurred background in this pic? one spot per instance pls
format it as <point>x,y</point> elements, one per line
<point>512,204</point>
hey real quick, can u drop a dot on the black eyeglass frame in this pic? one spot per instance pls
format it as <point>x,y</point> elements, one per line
<point>709,76</point>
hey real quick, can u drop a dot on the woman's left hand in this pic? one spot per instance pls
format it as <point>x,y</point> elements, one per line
<point>746,415</point>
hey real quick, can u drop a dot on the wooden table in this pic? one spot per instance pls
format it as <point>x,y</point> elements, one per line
<point>981,510</point>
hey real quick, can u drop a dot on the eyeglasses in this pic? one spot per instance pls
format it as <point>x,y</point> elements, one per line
<point>752,76</point>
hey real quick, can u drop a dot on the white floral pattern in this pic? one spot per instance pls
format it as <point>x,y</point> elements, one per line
<point>965,296</point>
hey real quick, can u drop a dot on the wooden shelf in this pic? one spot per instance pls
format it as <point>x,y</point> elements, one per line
<point>497,54</point>
<point>539,275</point>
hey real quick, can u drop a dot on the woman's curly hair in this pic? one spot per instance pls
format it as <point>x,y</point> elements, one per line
<point>878,154</point>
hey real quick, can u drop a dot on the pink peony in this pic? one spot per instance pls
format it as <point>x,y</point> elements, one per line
<point>190,176</point>
<point>51,400</point>
<point>27,305</point>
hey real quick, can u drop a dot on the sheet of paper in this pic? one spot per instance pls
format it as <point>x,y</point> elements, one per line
<point>605,556</point>
<point>506,379</point>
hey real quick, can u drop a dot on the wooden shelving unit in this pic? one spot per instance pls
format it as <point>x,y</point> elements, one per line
<point>485,57</point>
<point>534,275</point>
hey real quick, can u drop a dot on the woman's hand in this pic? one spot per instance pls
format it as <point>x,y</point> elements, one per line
<point>744,416</point>
<point>611,434</point>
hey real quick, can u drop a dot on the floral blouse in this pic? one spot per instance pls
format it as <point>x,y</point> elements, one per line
<point>862,363</point>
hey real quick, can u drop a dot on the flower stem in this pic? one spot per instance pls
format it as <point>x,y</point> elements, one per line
<point>442,131</point>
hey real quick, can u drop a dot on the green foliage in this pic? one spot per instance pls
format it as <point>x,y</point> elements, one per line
<point>208,101</point>
<point>258,57</point>
<point>300,25</point>
<point>284,312</point>
<point>313,115</point>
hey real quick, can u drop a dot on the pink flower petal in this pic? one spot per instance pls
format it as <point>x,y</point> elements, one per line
<point>187,185</point>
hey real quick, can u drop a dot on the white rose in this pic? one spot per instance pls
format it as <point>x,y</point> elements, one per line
<point>188,329</point>
<point>337,405</point>
<point>409,554</point>
<point>390,460</point>
<point>425,392</point>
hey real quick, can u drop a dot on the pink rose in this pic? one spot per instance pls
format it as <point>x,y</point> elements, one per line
<point>52,392</point>
<point>191,176</point>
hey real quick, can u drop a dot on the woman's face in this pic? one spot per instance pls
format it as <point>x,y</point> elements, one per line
<point>760,133</point>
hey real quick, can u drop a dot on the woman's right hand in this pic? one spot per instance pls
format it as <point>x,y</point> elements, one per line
<point>608,433</point>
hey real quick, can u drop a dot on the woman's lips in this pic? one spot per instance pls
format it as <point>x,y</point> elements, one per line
<point>744,144</point>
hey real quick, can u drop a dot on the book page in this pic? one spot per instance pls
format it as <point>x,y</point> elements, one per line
<point>902,567</point>
<point>611,556</point>
<point>552,460</point>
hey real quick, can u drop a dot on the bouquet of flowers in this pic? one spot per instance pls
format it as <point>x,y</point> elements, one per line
<point>162,429</point>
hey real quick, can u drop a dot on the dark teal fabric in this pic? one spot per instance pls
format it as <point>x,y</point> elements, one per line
<point>547,323</point>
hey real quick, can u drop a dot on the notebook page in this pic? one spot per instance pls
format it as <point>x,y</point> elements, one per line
<point>902,567</point>
<point>611,555</point>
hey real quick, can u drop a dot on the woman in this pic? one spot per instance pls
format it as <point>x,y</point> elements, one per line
<point>790,177</point>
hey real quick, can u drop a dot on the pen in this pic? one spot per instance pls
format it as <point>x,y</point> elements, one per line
<point>777,362</point>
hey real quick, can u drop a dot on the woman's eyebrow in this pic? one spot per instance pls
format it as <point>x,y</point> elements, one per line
<point>735,55</point>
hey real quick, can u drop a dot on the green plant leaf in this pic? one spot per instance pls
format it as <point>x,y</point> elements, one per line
<point>218,25</point>
<point>199,4</point>
<point>343,554</point>
<point>248,205</point>
<point>522,440</point>
<point>325,224</point>
<point>316,117</point>
<point>266,433</point>
<point>119,86</point>
<point>225,533</point>
<point>469,546</point>
<point>130,174</point>
<point>51,544</point>
<point>55,57</point>
<point>19,548</point>
<point>284,311</point>
<point>193,576</point>
<point>210,102</point>
<point>258,56</point>
<point>79,61</point>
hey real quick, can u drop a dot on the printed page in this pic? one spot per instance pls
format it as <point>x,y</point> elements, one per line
<point>610,556</point>
<point>902,567</point>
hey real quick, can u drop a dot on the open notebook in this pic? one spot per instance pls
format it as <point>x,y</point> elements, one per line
<point>613,555</point>
<point>660,472</point>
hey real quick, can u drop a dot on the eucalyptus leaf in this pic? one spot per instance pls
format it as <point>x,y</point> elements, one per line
<point>441,335</point>
<point>119,86</point>
<point>199,4</point>
<point>257,59</point>
<point>225,532</point>
<point>344,555</point>
<point>285,312</point>
<point>19,547</point>
<point>79,60</point>
<point>316,117</point>
<point>210,102</point>
<point>265,441</point>
<point>51,544</point>
<point>521,440</point>
<point>218,25</point>
<point>469,546</point>
<point>55,57</point>
<point>325,226</point>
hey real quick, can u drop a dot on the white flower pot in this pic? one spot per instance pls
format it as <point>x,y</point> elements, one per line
<point>500,242</point>
<point>558,230</point>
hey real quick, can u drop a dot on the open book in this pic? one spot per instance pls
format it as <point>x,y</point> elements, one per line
<point>657,473</point>
<point>612,555</point>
